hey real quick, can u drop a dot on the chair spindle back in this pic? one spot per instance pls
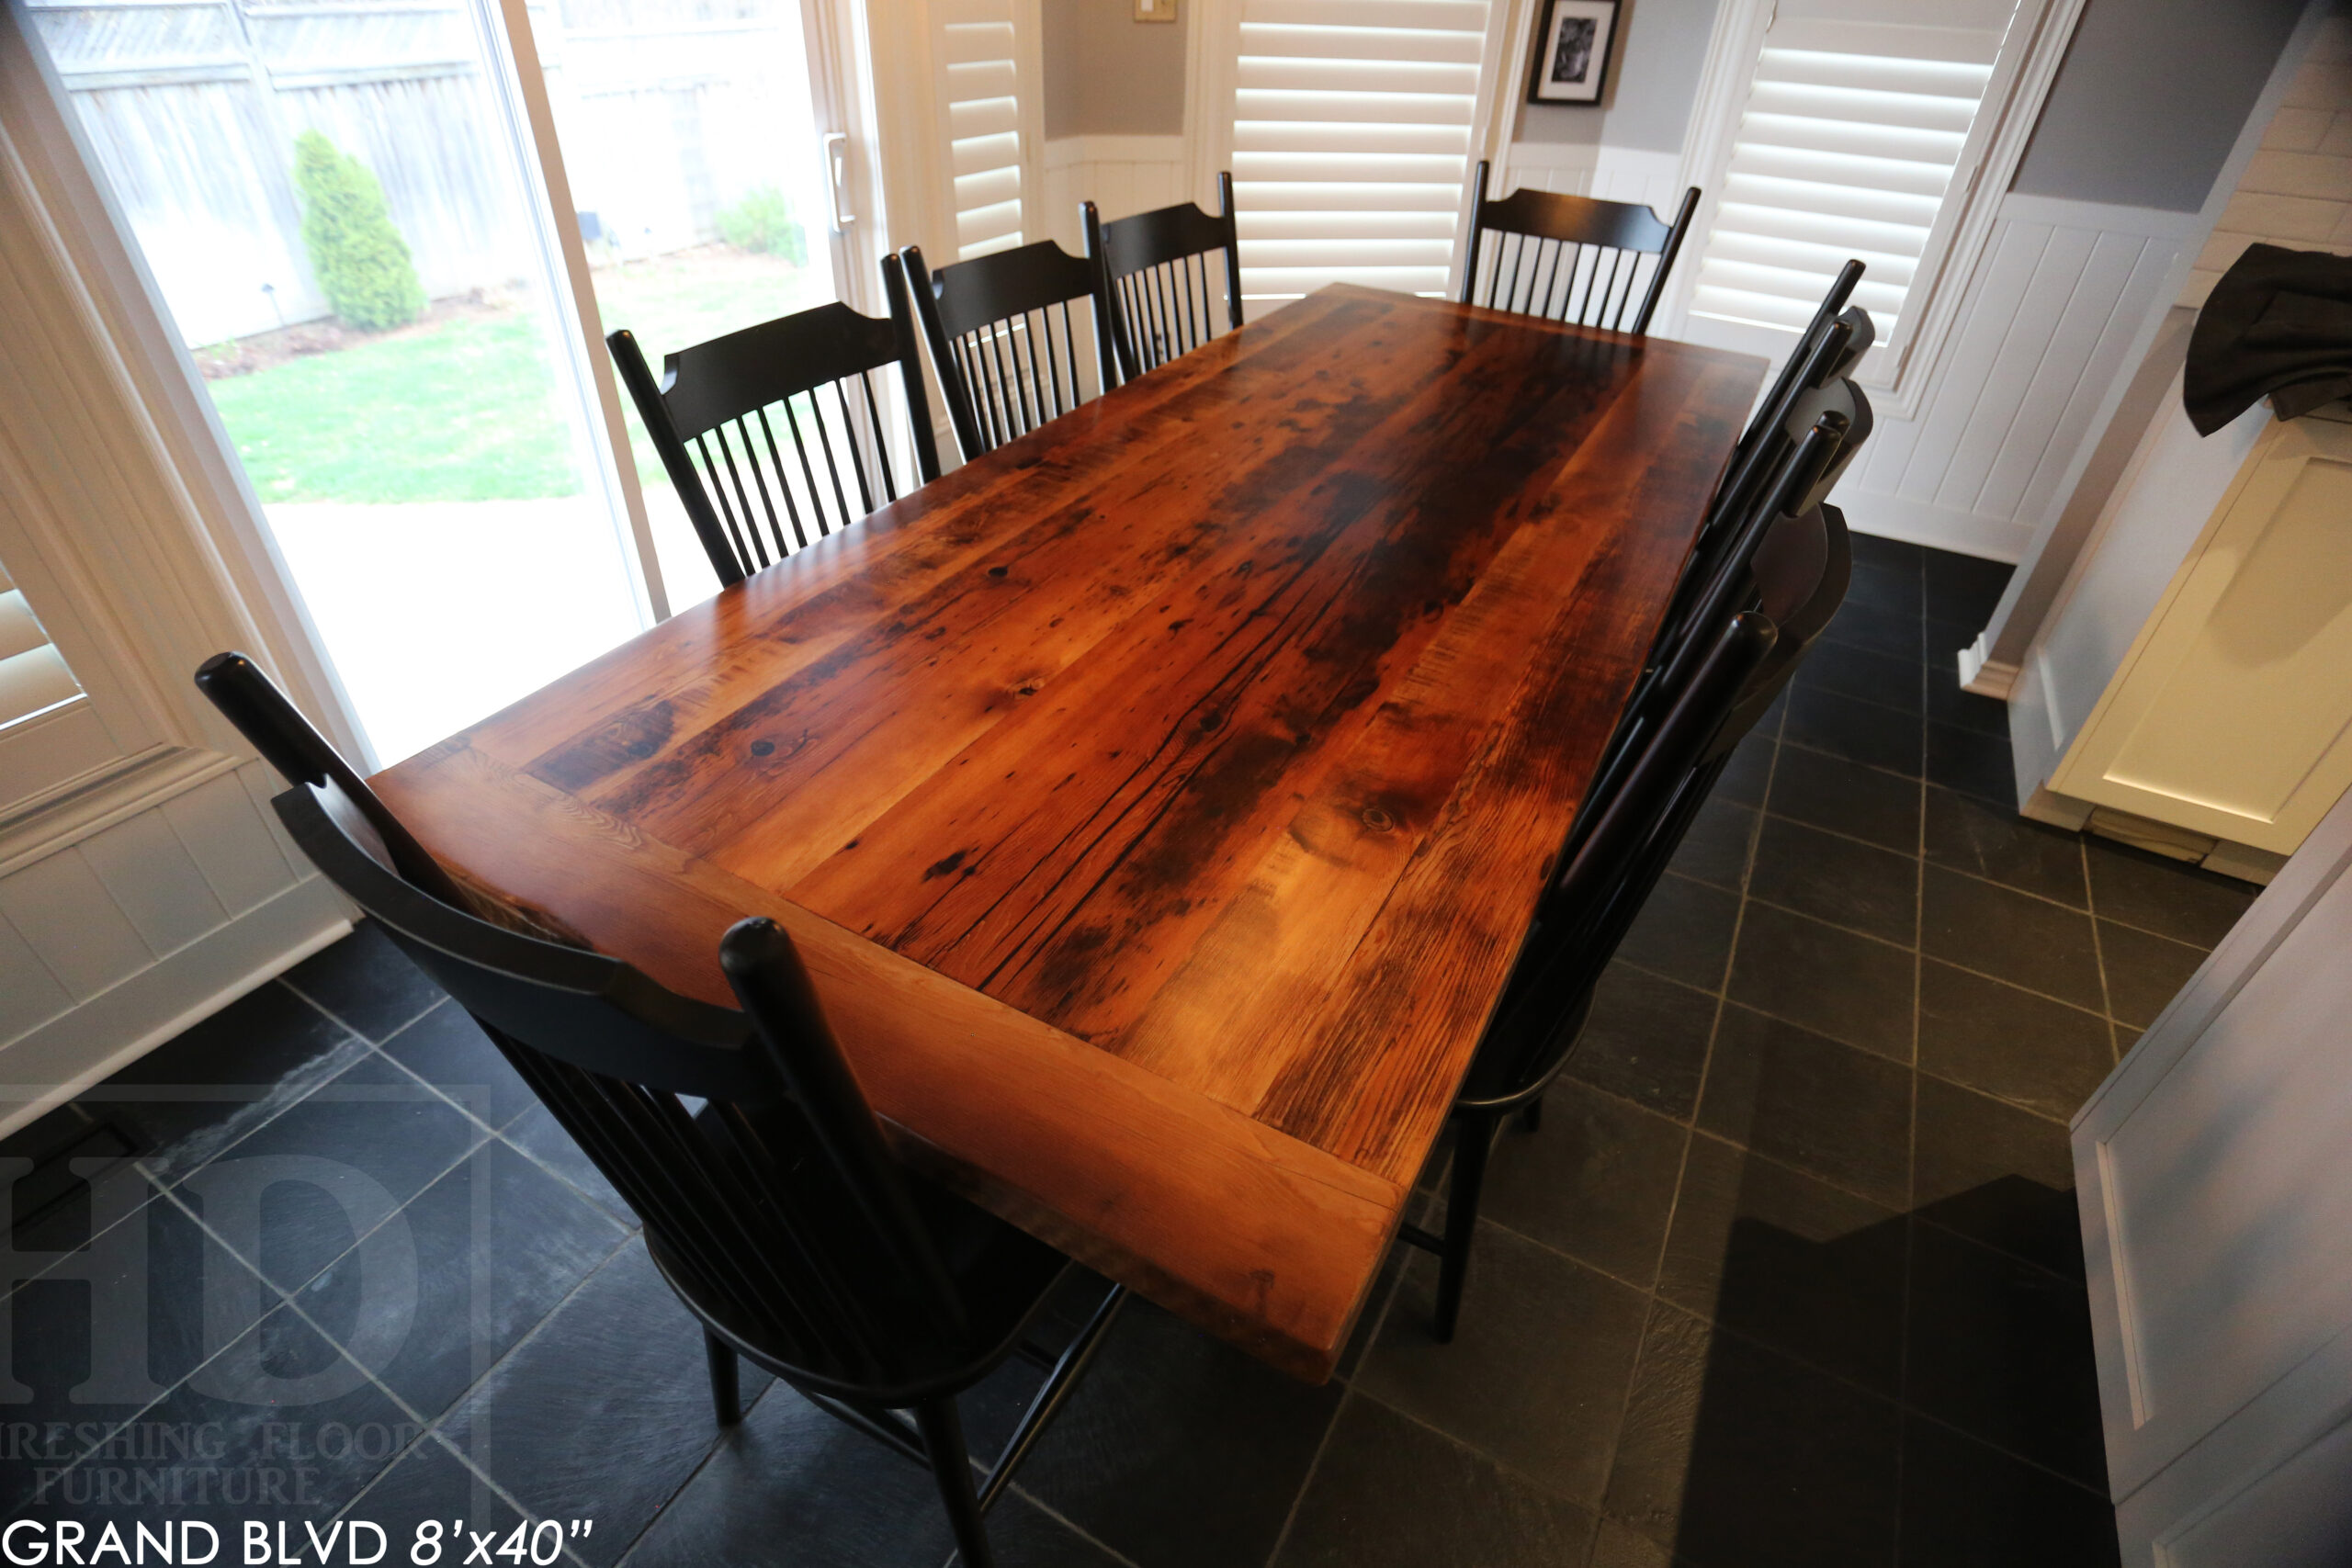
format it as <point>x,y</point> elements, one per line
<point>776,437</point>
<point>1006,342</point>
<point>1159,275</point>
<point>1570,258</point>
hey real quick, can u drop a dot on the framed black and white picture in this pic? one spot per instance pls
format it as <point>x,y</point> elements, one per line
<point>1572,54</point>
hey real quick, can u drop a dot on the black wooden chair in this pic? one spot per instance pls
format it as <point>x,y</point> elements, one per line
<point>1822,352</point>
<point>1800,577</point>
<point>1004,367</point>
<point>770,1201</point>
<point>1156,275</point>
<point>808,376</point>
<point>1570,258</point>
<point>1825,429</point>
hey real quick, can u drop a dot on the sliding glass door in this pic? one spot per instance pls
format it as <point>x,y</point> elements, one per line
<point>693,137</point>
<point>358,222</point>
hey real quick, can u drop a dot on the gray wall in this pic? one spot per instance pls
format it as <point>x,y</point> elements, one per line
<point>1108,74</point>
<point>2150,98</point>
<point>1653,81</point>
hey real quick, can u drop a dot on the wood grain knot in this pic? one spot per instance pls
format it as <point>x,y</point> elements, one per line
<point>762,748</point>
<point>1379,821</point>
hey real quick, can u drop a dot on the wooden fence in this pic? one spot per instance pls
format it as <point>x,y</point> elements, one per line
<point>668,111</point>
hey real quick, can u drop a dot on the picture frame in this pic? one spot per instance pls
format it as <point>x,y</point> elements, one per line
<point>1572,51</point>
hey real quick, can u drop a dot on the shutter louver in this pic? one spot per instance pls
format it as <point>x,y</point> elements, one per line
<point>980,85</point>
<point>1351,141</point>
<point>33,676</point>
<point>1852,141</point>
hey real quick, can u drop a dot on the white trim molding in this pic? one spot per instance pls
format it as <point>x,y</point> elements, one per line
<point>1984,675</point>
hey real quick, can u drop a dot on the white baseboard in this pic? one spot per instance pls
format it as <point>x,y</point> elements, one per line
<point>1982,673</point>
<point>1064,151</point>
<point>97,1039</point>
<point>2033,753</point>
<point>1941,527</point>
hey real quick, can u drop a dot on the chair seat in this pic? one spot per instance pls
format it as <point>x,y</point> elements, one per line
<point>1001,1274</point>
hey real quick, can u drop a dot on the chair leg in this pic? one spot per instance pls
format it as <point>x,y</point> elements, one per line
<point>951,1464</point>
<point>1473,1136</point>
<point>1531,1115</point>
<point>726,1394</point>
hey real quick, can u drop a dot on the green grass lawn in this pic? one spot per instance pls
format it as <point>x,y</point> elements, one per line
<point>467,410</point>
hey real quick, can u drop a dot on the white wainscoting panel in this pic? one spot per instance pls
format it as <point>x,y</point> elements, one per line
<point>113,944</point>
<point>1121,174</point>
<point>2056,298</point>
<point>1612,174</point>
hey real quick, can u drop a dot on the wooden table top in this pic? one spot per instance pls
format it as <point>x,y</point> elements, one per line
<point>1160,800</point>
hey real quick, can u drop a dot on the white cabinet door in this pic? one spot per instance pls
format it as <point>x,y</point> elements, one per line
<point>2233,713</point>
<point>2215,1169</point>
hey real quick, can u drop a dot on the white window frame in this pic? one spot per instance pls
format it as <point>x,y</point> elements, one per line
<point>1901,371</point>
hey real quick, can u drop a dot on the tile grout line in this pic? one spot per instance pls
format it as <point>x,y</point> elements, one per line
<point>1533,1483</point>
<point>2099,955</point>
<point>1911,1118</point>
<point>1692,1120</point>
<point>1065,1521</point>
<point>431,1426</point>
<point>1901,1405</point>
<point>1322,1445</point>
<point>1698,1103</point>
<point>284,1303</point>
<point>339,1021</point>
<point>1850,931</point>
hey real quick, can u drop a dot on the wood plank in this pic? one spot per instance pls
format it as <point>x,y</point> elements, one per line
<point>1374,1072</point>
<point>1230,1024</point>
<point>1251,1234</point>
<point>1080,821</point>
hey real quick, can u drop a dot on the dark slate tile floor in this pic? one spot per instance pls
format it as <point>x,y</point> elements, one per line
<point>1790,1274</point>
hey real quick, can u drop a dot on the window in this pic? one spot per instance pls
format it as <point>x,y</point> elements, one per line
<point>1351,124</point>
<point>51,733</point>
<point>1854,128</point>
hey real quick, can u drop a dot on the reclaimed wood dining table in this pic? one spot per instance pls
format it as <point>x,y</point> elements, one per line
<point>1159,801</point>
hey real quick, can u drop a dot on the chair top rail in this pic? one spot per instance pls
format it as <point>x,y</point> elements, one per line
<point>1577,219</point>
<point>705,385</point>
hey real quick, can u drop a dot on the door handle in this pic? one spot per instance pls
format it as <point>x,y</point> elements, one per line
<point>836,176</point>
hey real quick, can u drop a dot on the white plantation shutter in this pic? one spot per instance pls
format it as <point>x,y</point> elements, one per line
<point>977,54</point>
<point>1858,138</point>
<point>1351,123</point>
<point>33,676</point>
<point>51,734</point>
